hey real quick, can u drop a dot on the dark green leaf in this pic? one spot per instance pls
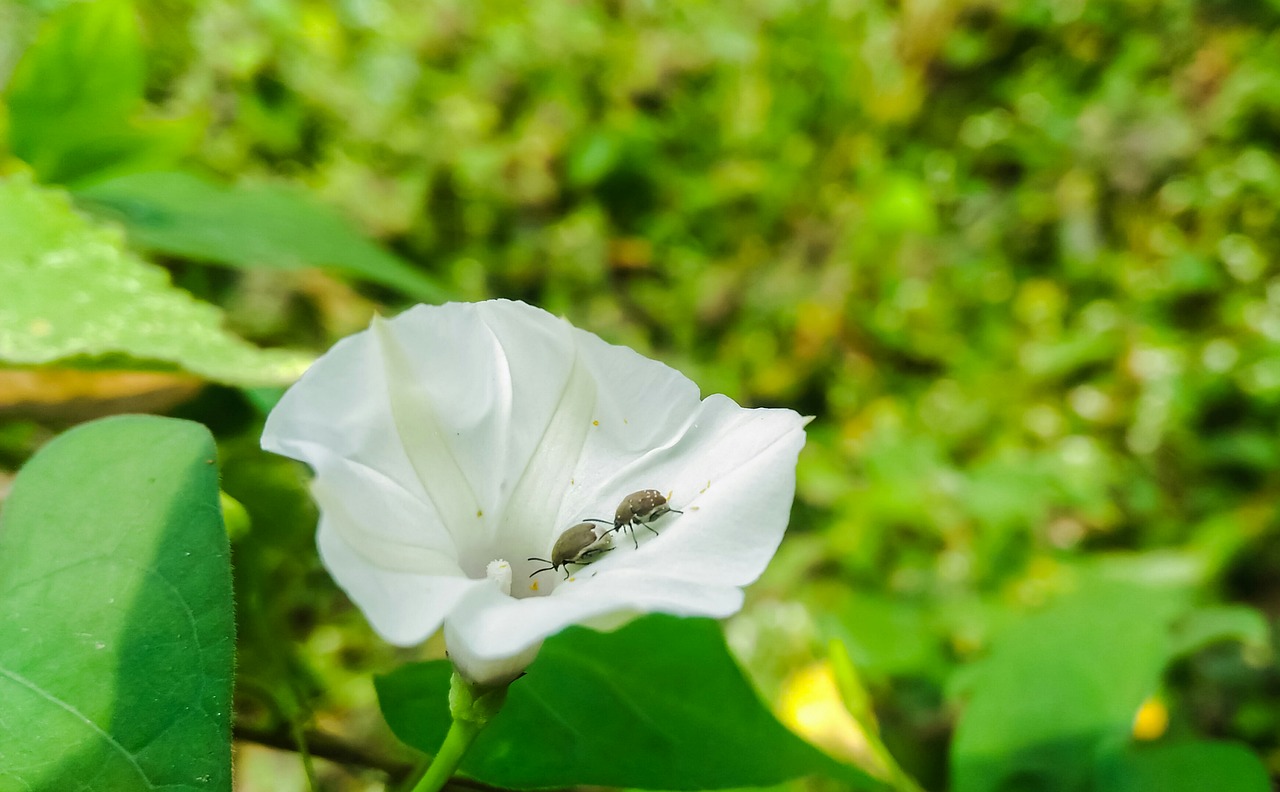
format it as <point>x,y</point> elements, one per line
<point>72,290</point>
<point>1184,767</point>
<point>659,704</point>
<point>117,640</point>
<point>181,214</point>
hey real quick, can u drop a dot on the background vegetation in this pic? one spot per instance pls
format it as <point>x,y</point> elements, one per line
<point>1018,259</point>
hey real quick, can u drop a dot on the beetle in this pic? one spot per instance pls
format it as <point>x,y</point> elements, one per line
<point>578,545</point>
<point>640,508</point>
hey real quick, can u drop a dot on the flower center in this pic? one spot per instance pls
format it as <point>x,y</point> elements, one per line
<point>499,572</point>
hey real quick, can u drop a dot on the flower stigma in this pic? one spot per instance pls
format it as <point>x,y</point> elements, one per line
<point>499,571</point>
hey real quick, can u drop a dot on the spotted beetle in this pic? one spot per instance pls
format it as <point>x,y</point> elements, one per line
<point>578,545</point>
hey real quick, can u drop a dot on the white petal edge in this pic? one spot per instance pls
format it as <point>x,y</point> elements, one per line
<point>486,626</point>
<point>695,567</point>
<point>404,608</point>
<point>730,470</point>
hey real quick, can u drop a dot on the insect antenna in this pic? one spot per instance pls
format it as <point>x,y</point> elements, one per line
<point>545,569</point>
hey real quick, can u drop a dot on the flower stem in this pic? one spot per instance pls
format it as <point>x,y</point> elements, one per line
<point>447,759</point>
<point>472,707</point>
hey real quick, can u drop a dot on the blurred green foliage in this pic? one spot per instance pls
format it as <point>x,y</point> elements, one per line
<point>1017,258</point>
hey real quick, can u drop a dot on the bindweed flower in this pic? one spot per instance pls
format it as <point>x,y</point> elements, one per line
<point>452,443</point>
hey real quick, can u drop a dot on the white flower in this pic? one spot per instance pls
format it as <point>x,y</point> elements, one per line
<point>453,442</point>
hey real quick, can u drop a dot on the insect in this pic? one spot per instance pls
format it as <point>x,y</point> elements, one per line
<point>639,508</point>
<point>578,545</point>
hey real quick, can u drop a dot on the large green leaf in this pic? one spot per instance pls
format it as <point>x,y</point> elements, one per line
<point>182,214</point>
<point>1184,767</point>
<point>659,704</point>
<point>72,290</point>
<point>117,640</point>
<point>1063,685</point>
<point>76,93</point>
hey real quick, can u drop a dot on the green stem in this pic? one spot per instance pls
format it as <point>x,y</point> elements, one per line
<point>472,707</point>
<point>456,742</point>
<point>304,751</point>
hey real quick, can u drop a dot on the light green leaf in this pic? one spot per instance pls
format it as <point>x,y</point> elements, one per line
<point>75,95</point>
<point>117,640</point>
<point>182,214</point>
<point>1062,685</point>
<point>659,704</point>
<point>1184,767</point>
<point>71,290</point>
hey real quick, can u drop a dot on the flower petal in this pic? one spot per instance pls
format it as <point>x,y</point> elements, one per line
<point>422,430</point>
<point>642,407</point>
<point>456,405</point>
<point>405,608</point>
<point>731,470</point>
<point>485,670</point>
<point>486,626</point>
<point>642,402</point>
<point>553,395</point>
<point>338,410</point>
<point>732,473</point>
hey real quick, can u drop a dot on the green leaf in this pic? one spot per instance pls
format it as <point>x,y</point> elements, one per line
<point>72,290</point>
<point>659,704</point>
<point>75,94</point>
<point>1062,685</point>
<point>884,636</point>
<point>1184,767</point>
<point>181,214</point>
<point>1220,623</point>
<point>117,640</point>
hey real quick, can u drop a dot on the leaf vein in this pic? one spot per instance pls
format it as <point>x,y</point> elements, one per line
<point>52,699</point>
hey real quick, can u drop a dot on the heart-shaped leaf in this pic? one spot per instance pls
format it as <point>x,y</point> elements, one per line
<point>1062,686</point>
<point>659,704</point>
<point>117,636</point>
